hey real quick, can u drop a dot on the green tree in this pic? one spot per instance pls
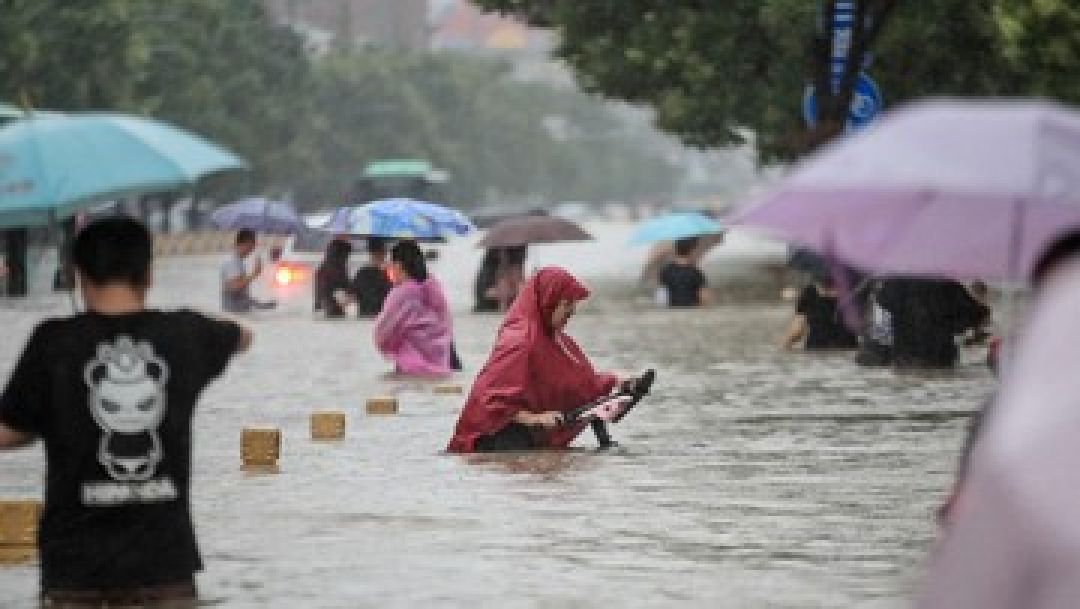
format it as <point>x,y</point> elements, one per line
<point>715,72</point>
<point>308,126</point>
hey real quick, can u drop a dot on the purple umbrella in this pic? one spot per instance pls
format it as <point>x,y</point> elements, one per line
<point>958,188</point>
<point>258,214</point>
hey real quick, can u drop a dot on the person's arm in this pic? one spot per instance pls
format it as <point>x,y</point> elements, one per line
<point>13,438</point>
<point>796,332</point>
<point>219,340</point>
<point>705,295</point>
<point>23,401</point>
<point>549,419</point>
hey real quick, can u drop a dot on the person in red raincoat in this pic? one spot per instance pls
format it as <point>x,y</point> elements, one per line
<point>535,373</point>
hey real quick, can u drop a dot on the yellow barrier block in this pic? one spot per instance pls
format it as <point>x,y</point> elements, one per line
<point>448,389</point>
<point>18,522</point>
<point>382,405</point>
<point>327,425</point>
<point>12,555</point>
<point>260,448</point>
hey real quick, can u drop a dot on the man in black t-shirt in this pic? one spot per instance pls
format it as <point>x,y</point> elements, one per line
<point>111,393</point>
<point>683,283</point>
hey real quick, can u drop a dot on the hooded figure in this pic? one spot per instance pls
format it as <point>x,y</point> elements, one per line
<point>535,368</point>
<point>332,276</point>
<point>414,329</point>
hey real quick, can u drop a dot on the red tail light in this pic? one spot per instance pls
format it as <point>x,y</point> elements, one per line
<point>283,276</point>
<point>286,275</point>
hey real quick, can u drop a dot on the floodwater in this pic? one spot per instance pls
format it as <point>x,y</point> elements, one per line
<point>751,478</point>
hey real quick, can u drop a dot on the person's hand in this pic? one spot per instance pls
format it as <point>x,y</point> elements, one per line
<point>549,419</point>
<point>257,267</point>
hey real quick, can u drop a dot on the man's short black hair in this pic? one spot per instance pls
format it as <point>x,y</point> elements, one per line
<point>685,247</point>
<point>407,253</point>
<point>246,236</point>
<point>376,245</point>
<point>113,250</point>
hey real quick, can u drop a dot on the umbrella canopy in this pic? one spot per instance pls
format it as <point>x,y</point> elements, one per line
<point>52,165</point>
<point>673,227</point>
<point>399,218</point>
<point>526,230</point>
<point>260,215</point>
<point>957,188</point>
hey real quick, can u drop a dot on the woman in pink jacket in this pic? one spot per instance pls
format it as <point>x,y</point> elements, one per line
<point>414,329</point>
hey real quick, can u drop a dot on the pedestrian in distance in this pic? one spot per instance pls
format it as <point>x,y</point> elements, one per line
<point>681,281</point>
<point>332,285</point>
<point>236,279</point>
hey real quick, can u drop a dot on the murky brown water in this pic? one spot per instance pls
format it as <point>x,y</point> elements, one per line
<point>751,478</point>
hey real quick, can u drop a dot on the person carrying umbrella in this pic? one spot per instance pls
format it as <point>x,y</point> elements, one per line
<point>534,374</point>
<point>683,283</point>
<point>500,277</point>
<point>236,279</point>
<point>502,271</point>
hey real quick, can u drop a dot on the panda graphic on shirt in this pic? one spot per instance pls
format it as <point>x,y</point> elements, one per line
<point>126,384</point>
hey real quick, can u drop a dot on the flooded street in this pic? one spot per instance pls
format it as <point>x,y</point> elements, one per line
<point>750,478</point>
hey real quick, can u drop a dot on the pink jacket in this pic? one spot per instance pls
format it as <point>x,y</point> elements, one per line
<point>414,329</point>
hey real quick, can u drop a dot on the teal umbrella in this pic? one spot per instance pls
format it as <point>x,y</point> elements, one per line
<point>675,226</point>
<point>50,166</point>
<point>9,112</point>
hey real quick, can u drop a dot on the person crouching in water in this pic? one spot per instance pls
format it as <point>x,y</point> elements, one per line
<point>535,373</point>
<point>414,328</point>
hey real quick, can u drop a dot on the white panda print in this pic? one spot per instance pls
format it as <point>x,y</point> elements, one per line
<point>126,382</point>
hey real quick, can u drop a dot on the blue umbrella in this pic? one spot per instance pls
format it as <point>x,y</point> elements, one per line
<point>50,166</point>
<point>259,214</point>
<point>400,218</point>
<point>675,226</point>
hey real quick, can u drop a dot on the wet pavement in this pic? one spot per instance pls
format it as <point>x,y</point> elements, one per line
<point>751,478</point>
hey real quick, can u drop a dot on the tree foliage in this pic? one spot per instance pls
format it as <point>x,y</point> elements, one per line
<point>309,125</point>
<point>715,71</point>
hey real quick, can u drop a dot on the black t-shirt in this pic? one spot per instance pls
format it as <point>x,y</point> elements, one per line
<point>370,286</point>
<point>926,314</point>
<point>112,398</point>
<point>825,327</point>
<point>683,283</point>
